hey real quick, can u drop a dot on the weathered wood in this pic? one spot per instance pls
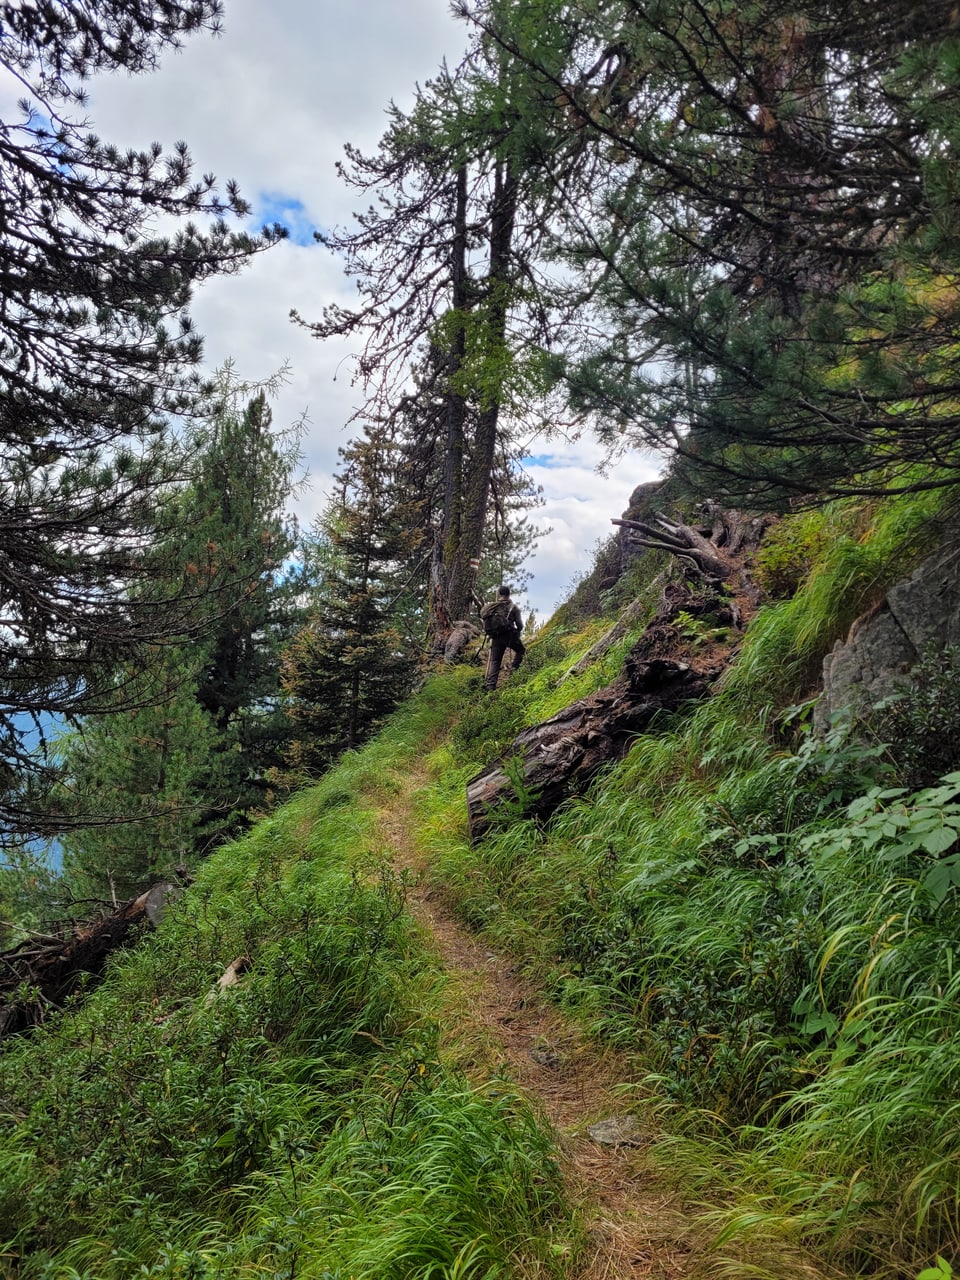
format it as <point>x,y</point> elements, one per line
<point>229,978</point>
<point>38,976</point>
<point>683,541</point>
<point>457,639</point>
<point>553,760</point>
<point>619,629</point>
<point>667,667</point>
<point>714,546</point>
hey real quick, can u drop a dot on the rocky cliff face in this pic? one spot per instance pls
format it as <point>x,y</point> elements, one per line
<point>919,615</point>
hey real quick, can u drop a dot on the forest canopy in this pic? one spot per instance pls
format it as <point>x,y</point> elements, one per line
<point>762,236</point>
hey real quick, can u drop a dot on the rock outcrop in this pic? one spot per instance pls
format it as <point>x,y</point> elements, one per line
<point>919,615</point>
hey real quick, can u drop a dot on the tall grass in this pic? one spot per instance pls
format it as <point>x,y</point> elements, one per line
<point>866,549</point>
<point>761,921</point>
<point>735,907</point>
<point>300,1122</point>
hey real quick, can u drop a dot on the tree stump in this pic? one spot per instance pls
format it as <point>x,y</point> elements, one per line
<point>38,976</point>
<point>716,547</point>
<point>461,634</point>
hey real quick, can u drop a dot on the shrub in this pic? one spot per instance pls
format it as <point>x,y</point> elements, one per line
<point>921,724</point>
<point>789,551</point>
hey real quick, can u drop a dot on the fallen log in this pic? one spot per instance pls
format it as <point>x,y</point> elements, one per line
<point>39,975</point>
<point>609,638</point>
<point>550,761</point>
<point>716,547</point>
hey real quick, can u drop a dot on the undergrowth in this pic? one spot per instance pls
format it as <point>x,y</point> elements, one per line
<point>298,1123</point>
<point>768,923</point>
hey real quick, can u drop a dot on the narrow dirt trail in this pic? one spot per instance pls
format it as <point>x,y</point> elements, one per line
<point>501,1024</point>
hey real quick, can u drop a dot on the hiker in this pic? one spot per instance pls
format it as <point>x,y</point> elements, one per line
<point>503,623</point>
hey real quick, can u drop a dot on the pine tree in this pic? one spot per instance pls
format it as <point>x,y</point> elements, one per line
<point>445,265</point>
<point>139,784</point>
<point>28,894</point>
<point>236,512</point>
<point>356,659</point>
<point>422,468</point>
<point>96,353</point>
<point>768,239</point>
<point>186,755</point>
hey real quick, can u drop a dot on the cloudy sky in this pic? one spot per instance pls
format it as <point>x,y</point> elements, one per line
<point>271,103</point>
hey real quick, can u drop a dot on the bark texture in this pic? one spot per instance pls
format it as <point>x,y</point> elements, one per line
<point>715,547</point>
<point>39,976</point>
<point>460,635</point>
<point>692,637</point>
<point>551,761</point>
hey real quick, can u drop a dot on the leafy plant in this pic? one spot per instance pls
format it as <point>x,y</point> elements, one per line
<point>913,833</point>
<point>789,551</point>
<point>697,631</point>
<point>921,723</point>
<point>941,1270</point>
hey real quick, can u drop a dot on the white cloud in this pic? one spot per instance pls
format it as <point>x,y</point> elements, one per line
<point>272,101</point>
<point>579,505</point>
<point>246,319</point>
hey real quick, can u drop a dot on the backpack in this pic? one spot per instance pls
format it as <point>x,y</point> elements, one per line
<point>495,617</point>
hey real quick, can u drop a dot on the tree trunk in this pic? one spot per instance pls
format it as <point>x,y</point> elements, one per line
<point>551,761</point>
<point>456,587</point>
<point>38,976</point>
<point>478,468</point>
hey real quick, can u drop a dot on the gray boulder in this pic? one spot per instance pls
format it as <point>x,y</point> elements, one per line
<point>919,614</point>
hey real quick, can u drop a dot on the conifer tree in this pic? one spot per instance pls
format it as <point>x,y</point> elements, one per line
<point>423,464</point>
<point>445,266</point>
<point>356,658</point>
<point>97,351</point>
<point>769,237</point>
<point>138,785</point>
<point>186,754</point>
<point>239,528</point>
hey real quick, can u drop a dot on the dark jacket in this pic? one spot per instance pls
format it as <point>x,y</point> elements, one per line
<point>514,617</point>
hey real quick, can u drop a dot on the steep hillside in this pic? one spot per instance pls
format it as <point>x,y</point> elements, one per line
<point>737,943</point>
<point>294,1117</point>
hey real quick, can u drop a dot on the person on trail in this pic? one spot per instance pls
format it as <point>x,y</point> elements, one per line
<point>502,622</point>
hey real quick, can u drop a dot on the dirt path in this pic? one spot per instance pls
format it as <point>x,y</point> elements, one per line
<point>502,1024</point>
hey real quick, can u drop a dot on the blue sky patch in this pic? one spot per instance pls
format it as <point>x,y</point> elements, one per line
<point>290,212</point>
<point>549,461</point>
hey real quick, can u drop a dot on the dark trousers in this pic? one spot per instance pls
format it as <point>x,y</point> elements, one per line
<point>498,647</point>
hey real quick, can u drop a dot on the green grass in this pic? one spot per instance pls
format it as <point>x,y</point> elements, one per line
<point>866,550</point>
<point>761,922</point>
<point>785,982</point>
<point>298,1123</point>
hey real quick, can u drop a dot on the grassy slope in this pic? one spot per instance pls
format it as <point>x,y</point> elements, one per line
<point>778,965</point>
<point>773,947</point>
<point>300,1123</point>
